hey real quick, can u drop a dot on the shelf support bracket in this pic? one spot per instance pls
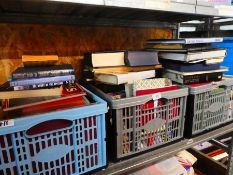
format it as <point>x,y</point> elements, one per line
<point>230,159</point>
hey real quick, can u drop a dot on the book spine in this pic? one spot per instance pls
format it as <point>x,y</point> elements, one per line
<point>202,40</point>
<point>41,80</point>
<point>41,74</point>
<point>42,85</point>
<point>192,79</point>
<point>126,58</point>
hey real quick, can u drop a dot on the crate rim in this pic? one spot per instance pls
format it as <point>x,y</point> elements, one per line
<point>132,101</point>
<point>210,86</point>
<point>96,109</point>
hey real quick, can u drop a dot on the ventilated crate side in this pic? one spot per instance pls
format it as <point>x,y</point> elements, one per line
<point>144,122</point>
<point>64,142</point>
<point>208,107</point>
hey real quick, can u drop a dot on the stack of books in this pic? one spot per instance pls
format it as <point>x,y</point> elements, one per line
<point>41,72</point>
<point>190,61</point>
<point>117,68</point>
<point>41,86</point>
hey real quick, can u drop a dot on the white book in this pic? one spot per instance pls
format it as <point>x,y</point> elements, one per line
<point>124,78</point>
<point>105,59</point>
<point>202,40</point>
<point>215,60</point>
<point>220,156</point>
<point>209,61</point>
<point>192,56</point>
<point>222,69</point>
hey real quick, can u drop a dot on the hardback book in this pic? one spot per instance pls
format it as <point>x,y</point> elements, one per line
<point>39,60</point>
<point>68,94</point>
<point>123,78</point>
<point>89,72</point>
<point>45,71</point>
<point>151,86</point>
<point>214,60</point>
<point>189,67</point>
<point>122,69</point>
<point>104,59</point>
<point>141,58</point>
<point>34,81</point>
<point>187,49</point>
<point>68,103</point>
<point>7,92</point>
<point>180,47</point>
<point>192,56</point>
<point>184,41</point>
<point>195,77</point>
<point>207,61</point>
<point>43,85</point>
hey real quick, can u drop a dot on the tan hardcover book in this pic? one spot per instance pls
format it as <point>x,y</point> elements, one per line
<point>123,78</point>
<point>166,46</point>
<point>39,60</point>
<point>30,93</point>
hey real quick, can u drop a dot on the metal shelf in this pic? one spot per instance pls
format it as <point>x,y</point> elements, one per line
<point>165,152</point>
<point>83,12</point>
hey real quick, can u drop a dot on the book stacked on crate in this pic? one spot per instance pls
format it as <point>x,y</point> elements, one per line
<point>190,61</point>
<point>41,86</point>
<point>116,71</point>
<point>138,96</point>
<point>195,64</point>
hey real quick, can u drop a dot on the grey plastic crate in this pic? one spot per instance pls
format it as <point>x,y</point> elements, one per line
<point>138,126</point>
<point>209,106</point>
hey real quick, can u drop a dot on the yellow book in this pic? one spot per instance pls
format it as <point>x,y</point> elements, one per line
<point>39,60</point>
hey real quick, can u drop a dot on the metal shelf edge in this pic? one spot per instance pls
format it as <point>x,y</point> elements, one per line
<point>154,156</point>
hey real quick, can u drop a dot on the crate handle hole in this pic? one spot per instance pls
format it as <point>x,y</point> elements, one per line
<point>49,126</point>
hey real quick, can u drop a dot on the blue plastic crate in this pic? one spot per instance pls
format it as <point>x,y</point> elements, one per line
<point>228,61</point>
<point>74,142</point>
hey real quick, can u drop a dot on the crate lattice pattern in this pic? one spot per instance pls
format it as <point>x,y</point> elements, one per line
<point>205,118</point>
<point>136,120</point>
<point>31,156</point>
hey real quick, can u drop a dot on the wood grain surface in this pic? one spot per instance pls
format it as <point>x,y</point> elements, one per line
<point>68,42</point>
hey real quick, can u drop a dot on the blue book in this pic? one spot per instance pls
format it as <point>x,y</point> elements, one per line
<point>34,81</point>
<point>189,67</point>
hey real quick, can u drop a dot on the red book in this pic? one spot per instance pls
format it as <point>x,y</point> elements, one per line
<point>72,96</point>
<point>156,90</point>
<point>152,109</point>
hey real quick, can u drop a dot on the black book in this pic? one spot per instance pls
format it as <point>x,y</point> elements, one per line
<point>196,76</point>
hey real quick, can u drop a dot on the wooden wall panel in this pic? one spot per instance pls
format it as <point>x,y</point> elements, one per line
<point>66,41</point>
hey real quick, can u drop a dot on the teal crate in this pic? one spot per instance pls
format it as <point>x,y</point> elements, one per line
<point>65,142</point>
